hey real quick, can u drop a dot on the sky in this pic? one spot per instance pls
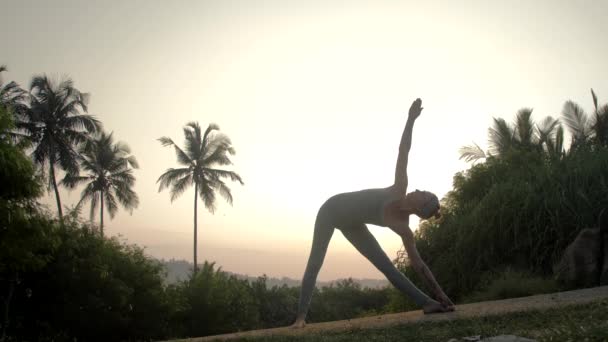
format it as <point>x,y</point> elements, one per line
<point>313,94</point>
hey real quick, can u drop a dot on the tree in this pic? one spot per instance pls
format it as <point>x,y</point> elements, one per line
<point>523,135</point>
<point>55,126</point>
<point>11,94</point>
<point>23,242</point>
<point>202,153</point>
<point>584,128</point>
<point>109,176</point>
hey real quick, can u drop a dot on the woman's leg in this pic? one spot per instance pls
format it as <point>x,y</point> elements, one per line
<point>367,245</point>
<point>320,241</point>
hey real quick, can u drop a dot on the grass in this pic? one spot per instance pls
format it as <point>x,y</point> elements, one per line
<point>573,323</point>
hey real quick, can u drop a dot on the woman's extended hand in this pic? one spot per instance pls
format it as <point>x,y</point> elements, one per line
<point>415,109</point>
<point>445,300</point>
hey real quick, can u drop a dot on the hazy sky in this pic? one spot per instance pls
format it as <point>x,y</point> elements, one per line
<point>314,95</point>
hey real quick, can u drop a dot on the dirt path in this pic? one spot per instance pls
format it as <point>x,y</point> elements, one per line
<point>462,311</point>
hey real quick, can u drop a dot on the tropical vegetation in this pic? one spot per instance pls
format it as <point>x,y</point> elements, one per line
<point>522,205</point>
<point>55,125</point>
<point>109,176</point>
<point>203,153</point>
<point>505,224</point>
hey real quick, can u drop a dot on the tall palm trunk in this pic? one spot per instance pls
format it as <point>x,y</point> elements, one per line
<point>101,214</point>
<point>54,181</point>
<point>195,269</point>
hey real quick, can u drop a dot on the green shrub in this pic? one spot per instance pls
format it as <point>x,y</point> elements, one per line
<point>521,211</point>
<point>211,302</point>
<point>512,284</point>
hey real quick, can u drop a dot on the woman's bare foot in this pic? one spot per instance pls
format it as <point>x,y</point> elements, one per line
<point>299,323</point>
<point>436,307</point>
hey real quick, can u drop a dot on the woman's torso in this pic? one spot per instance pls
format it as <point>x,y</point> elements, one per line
<point>364,206</point>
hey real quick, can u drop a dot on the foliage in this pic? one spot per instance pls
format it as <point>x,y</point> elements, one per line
<point>55,126</point>
<point>212,302</point>
<point>109,176</point>
<point>523,205</point>
<point>346,299</point>
<point>523,136</point>
<point>512,284</point>
<point>521,210</point>
<point>12,96</point>
<point>91,289</point>
<point>203,153</point>
<point>276,305</point>
<point>17,174</point>
<point>587,130</point>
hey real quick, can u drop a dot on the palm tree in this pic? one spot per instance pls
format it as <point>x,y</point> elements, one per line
<point>11,95</point>
<point>202,153</point>
<point>584,128</point>
<point>55,126</point>
<point>109,176</point>
<point>523,135</point>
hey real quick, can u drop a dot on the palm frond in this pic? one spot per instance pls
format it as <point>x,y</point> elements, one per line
<point>67,157</point>
<point>212,127</point>
<point>547,126</point>
<point>42,150</point>
<point>166,141</point>
<point>576,119</point>
<point>471,153</point>
<point>207,194</point>
<point>224,190</point>
<point>123,179</point>
<point>126,196</point>
<point>546,132</point>
<point>83,122</point>
<point>559,141</point>
<point>193,142</point>
<point>171,176</point>
<point>179,186</point>
<point>89,193</point>
<point>13,96</point>
<point>217,174</point>
<point>524,127</point>
<point>71,181</point>
<point>182,157</point>
<point>133,162</point>
<point>501,137</point>
<point>110,203</point>
<point>75,138</point>
<point>219,155</point>
<point>600,126</point>
<point>594,100</point>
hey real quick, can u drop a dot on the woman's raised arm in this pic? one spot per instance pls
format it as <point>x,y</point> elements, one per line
<point>405,145</point>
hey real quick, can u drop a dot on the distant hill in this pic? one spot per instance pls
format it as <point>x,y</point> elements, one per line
<point>180,269</point>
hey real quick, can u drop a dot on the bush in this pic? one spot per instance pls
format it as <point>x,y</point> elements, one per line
<point>512,284</point>
<point>211,302</point>
<point>520,210</point>
<point>346,299</point>
<point>93,289</point>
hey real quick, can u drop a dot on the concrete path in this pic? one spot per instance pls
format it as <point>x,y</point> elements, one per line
<point>497,307</point>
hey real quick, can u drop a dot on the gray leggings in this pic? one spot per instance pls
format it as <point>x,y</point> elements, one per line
<point>367,245</point>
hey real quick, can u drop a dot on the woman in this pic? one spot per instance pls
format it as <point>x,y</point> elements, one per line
<point>388,207</point>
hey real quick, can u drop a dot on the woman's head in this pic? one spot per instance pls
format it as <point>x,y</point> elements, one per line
<point>423,203</point>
